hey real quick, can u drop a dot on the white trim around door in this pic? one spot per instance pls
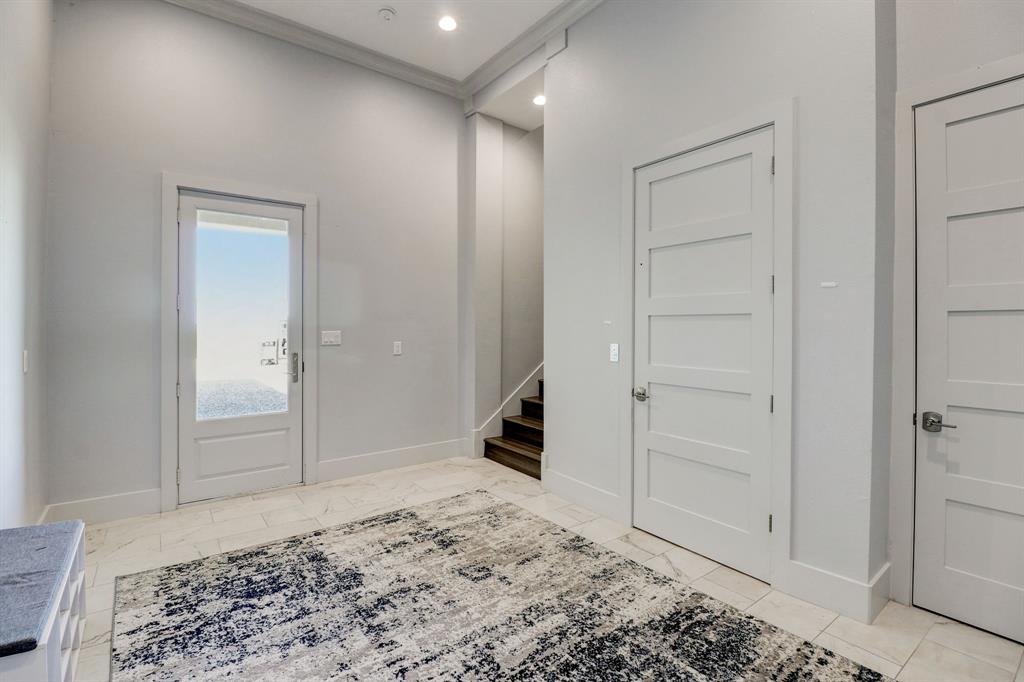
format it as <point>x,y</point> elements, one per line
<point>173,185</point>
<point>904,372</point>
<point>780,116</point>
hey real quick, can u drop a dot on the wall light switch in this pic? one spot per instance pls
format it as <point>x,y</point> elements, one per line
<point>613,352</point>
<point>396,349</point>
<point>330,338</point>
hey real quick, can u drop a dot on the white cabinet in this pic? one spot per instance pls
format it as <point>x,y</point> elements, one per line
<point>55,656</point>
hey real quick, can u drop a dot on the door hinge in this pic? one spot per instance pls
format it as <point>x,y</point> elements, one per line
<point>177,301</point>
<point>913,419</point>
<point>770,523</point>
<point>771,403</point>
<point>773,164</point>
<point>773,283</point>
<point>303,366</point>
<point>177,476</point>
<point>177,390</point>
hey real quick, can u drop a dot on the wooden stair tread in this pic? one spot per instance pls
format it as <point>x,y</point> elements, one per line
<point>528,422</point>
<point>516,446</point>
<point>521,441</point>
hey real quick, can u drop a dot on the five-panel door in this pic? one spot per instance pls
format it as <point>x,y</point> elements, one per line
<point>969,527</point>
<point>703,350</point>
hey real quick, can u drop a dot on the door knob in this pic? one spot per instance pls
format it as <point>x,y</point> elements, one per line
<point>295,368</point>
<point>932,422</point>
<point>640,393</point>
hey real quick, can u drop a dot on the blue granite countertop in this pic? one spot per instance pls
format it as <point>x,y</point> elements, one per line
<point>32,562</point>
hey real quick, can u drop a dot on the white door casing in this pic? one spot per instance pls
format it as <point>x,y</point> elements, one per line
<point>969,525</point>
<point>244,452</point>
<point>703,247</point>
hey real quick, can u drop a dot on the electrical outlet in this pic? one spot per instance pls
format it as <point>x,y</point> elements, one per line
<point>396,348</point>
<point>613,352</point>
<point>24,361</point>
<point>330,338</point>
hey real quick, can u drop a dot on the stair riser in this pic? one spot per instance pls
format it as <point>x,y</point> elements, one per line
<point>514,431</point>
<point>513,460</point>
<point>533,410</point>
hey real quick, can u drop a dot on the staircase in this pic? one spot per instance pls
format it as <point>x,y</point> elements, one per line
<point>522,437</point>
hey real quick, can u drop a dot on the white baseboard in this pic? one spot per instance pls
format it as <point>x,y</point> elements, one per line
<point>490,429</point>
<point>492,426</point>
<point>861,601</point>
<point>881,588</point>
<point>372,462</point>
<point>595,499</point>
<point>106,508</point>
<point>141,502</point>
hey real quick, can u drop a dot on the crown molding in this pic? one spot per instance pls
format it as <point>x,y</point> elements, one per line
<point>292,32</point>
<point>558,19</point>
<point>529,41</point>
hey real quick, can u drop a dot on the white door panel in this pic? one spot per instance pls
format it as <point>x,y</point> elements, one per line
<point>239,326</point>
<point>702,439</point>
<point>969,533</point>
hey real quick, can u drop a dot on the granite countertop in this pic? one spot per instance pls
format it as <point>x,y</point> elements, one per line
<point>32,562</point>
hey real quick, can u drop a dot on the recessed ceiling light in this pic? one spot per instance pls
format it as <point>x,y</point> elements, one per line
<point>447,23</point>
<point>540,100</point>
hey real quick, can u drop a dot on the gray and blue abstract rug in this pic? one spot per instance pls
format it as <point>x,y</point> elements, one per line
<point>466,588</point>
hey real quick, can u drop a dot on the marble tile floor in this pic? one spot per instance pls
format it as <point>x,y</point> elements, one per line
<point>905,643</point>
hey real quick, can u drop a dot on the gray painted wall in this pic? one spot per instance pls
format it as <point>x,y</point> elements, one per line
<point>885,206</point>
<point>145,87</point>
<point>633,79</point>
<point>522,293</point>
<point>940,37</point>
<point>25,43</point>
<point>484,238</point>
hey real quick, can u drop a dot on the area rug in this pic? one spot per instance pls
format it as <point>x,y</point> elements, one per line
<point>465,588</point>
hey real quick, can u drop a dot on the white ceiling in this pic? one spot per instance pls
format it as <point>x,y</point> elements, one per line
<point>485,27</point>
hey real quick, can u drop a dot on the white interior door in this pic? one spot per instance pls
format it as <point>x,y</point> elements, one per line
<point>240,335</point>
<point>703,350</point>
<point>969,533</point>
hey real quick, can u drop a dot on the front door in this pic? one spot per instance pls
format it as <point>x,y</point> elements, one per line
<point>703,350</point>
<point>239,339</point>
<point>969,531</point>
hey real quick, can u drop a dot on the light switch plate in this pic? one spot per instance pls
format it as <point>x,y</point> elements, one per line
<point>330,338</point>
<point>613,352</point>
<point>396,349</point>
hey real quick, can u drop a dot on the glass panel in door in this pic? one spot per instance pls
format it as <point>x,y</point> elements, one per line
<point>242,296</point>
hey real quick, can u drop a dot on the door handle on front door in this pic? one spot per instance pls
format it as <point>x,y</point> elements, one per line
<point>295,368</point>
<point>932,422</point>
<point>640,393</point>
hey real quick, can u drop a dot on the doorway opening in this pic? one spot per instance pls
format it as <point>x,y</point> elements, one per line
<point>239,331</point>
<point>968,560</point>
<point>707,263</point>
<point>238,413</point>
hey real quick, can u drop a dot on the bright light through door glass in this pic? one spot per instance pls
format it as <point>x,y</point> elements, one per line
<point>241,315</point>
